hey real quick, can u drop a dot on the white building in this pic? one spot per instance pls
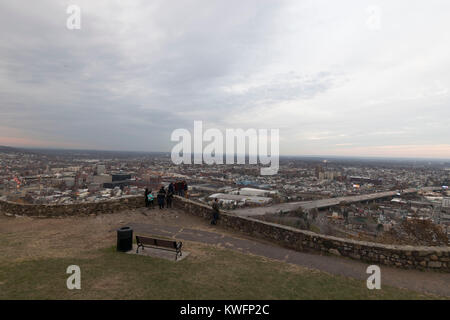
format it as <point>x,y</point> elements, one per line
<point>242,198</point>
<point>254,192</point>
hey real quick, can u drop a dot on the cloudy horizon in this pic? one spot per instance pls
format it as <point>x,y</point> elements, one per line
<point>354,78</point>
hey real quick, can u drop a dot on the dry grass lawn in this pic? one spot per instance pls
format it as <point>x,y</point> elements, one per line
<point>35,253</point>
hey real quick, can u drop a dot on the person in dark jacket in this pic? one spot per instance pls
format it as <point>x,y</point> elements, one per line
<point>169,199</point>
<point>215,207</point>
<point>185,188</point>
<point>171,188</point>
<point>182,183</point>
<point>161,197</point>
<point>177,188</point>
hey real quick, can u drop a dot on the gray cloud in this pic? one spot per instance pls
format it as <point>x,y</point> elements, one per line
<point>137,71</point>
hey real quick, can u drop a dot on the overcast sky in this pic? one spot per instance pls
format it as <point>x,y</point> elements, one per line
<point>368,78</point>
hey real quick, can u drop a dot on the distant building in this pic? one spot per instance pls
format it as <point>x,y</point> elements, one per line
<point>246,182</point>
<point>208,187</point>
<point>120,176</point>
<point>446,205</point>
<point>93,187</point>
<point>254,192</point>
<point>101,179</point>
<point>362,180</point>
<point>119,180</point>
<point>318,170</point>
<point>101,169</point>
<point>69,182</point>
<point>241,198</point>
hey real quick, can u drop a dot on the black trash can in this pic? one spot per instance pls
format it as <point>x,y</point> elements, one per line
<point>124,239</point>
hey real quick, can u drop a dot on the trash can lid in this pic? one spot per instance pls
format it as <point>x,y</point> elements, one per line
<point>125,228</point>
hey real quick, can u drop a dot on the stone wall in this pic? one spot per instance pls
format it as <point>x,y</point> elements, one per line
<point>411,257</point>
<point>55,210</point>
<point>436,258</point>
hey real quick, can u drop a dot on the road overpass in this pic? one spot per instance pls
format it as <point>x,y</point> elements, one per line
<point>326,203</point>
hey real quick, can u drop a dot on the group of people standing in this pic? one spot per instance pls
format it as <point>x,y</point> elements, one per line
<point>180,188</point>
<point>165,197</point>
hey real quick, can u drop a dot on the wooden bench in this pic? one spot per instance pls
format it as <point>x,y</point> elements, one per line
<point>159,244</point>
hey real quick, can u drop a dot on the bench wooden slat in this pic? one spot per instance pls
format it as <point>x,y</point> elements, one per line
<point>159,244</point>
<point>144,240</point>
<point>166,243</point>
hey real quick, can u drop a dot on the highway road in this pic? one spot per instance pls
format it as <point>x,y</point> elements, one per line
<point>323,203</point>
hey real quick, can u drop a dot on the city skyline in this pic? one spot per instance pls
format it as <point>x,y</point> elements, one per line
<point>356,79</point>
<point>325,157</point>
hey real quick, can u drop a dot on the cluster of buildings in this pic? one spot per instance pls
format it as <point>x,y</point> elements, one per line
<point>70,177</point>
<point>369,219</point>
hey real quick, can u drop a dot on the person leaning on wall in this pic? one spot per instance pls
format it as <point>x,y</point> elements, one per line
<point>216,211</point>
